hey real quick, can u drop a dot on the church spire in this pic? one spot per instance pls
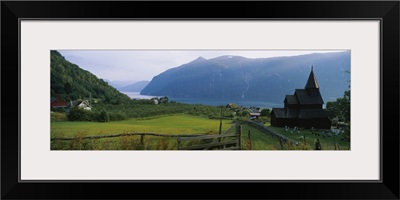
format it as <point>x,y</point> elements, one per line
<point>312,80</point>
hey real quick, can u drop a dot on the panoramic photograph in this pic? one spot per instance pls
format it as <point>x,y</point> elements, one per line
<point>200,100</point>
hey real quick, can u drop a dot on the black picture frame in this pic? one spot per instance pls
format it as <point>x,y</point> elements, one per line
<point>386,11</point>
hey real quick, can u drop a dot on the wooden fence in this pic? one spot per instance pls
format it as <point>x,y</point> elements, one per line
<point>226,141</point>
<point>230,141</point>
<point>282,139</point>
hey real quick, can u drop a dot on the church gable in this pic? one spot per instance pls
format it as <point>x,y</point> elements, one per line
<point>279,112</point>
<point>291,99</point>
<point>309,96</point>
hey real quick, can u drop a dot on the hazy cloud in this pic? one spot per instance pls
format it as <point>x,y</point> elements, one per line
<point>137,65</point>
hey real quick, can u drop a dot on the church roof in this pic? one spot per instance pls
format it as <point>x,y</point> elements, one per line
<point>309,96</point>
<point>292,99</point>
<point>312,80</point>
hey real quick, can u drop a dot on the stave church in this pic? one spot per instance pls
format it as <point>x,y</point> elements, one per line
<point>303,108</point>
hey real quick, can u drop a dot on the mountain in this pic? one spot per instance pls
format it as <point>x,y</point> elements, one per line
<point>135,87</point>
<point>118,84</point>
<point>112,84</point>
<point>70,82</point>
<point>269,79</point>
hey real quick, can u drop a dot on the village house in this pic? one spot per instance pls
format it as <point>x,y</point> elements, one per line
<point>58,103</point>
<point>231,105</point>
<point>303,108</point>
<point>155,101</point>
<point>81,104</point>
<point>255,113</point>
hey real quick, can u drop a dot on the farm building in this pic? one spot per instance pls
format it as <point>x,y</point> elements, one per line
<point>231,105</point>
<point>81,104</point>
<point>254,113</point>
<point>303,108</point>
<point>58,103</point>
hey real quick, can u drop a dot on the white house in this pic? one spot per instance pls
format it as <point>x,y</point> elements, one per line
<point>81,104</point>
<point>254,113</point>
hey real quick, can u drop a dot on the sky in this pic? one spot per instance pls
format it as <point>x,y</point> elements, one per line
<point>129,66</point>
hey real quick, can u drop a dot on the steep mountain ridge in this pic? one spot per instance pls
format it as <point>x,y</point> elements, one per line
<point>260,78</point>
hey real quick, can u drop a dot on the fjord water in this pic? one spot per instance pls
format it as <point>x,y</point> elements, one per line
<point>214,102</point>
<point>137,95</point>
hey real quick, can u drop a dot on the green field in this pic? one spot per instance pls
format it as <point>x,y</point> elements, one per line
<point>259,140</point>
<point>167,124</point>
<point>178,124</point>
<point>174,124</point>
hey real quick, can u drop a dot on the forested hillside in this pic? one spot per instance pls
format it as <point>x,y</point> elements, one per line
<point>70,82</point>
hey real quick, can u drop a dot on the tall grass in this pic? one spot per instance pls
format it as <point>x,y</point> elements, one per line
<point>328,141</point>
<point>58,117</point>
<point>258,139</point>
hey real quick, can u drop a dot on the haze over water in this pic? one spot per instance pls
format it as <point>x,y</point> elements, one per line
<point>212,102</point>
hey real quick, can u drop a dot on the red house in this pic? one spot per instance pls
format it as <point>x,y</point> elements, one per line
<point>58,103</point>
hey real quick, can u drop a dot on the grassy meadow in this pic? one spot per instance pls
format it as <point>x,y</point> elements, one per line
<point>327,139</point>
<point>174,124</point>
<point>252,137</point>
<point>167,124</point>
<point>258,139</point>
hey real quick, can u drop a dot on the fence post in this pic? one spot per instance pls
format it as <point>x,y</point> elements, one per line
<point>318,145</point>
<point>239,132</point>
<point>142,140</point>
<point>334,143</point>
<point>179,142</point>
<point>249,141</point>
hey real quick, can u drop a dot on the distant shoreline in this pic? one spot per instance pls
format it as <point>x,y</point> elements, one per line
<point>137,95</point>
<point>211,102</point>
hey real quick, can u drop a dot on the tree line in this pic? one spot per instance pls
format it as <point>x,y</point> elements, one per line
<point>104,112</point>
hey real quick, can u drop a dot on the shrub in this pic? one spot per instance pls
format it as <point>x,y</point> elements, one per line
<point>103,116</point>
<point>117,116</point>
<point>78,114</point>
<point>266,112</point>
<point>56,117</point>
<point>60,110</point>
